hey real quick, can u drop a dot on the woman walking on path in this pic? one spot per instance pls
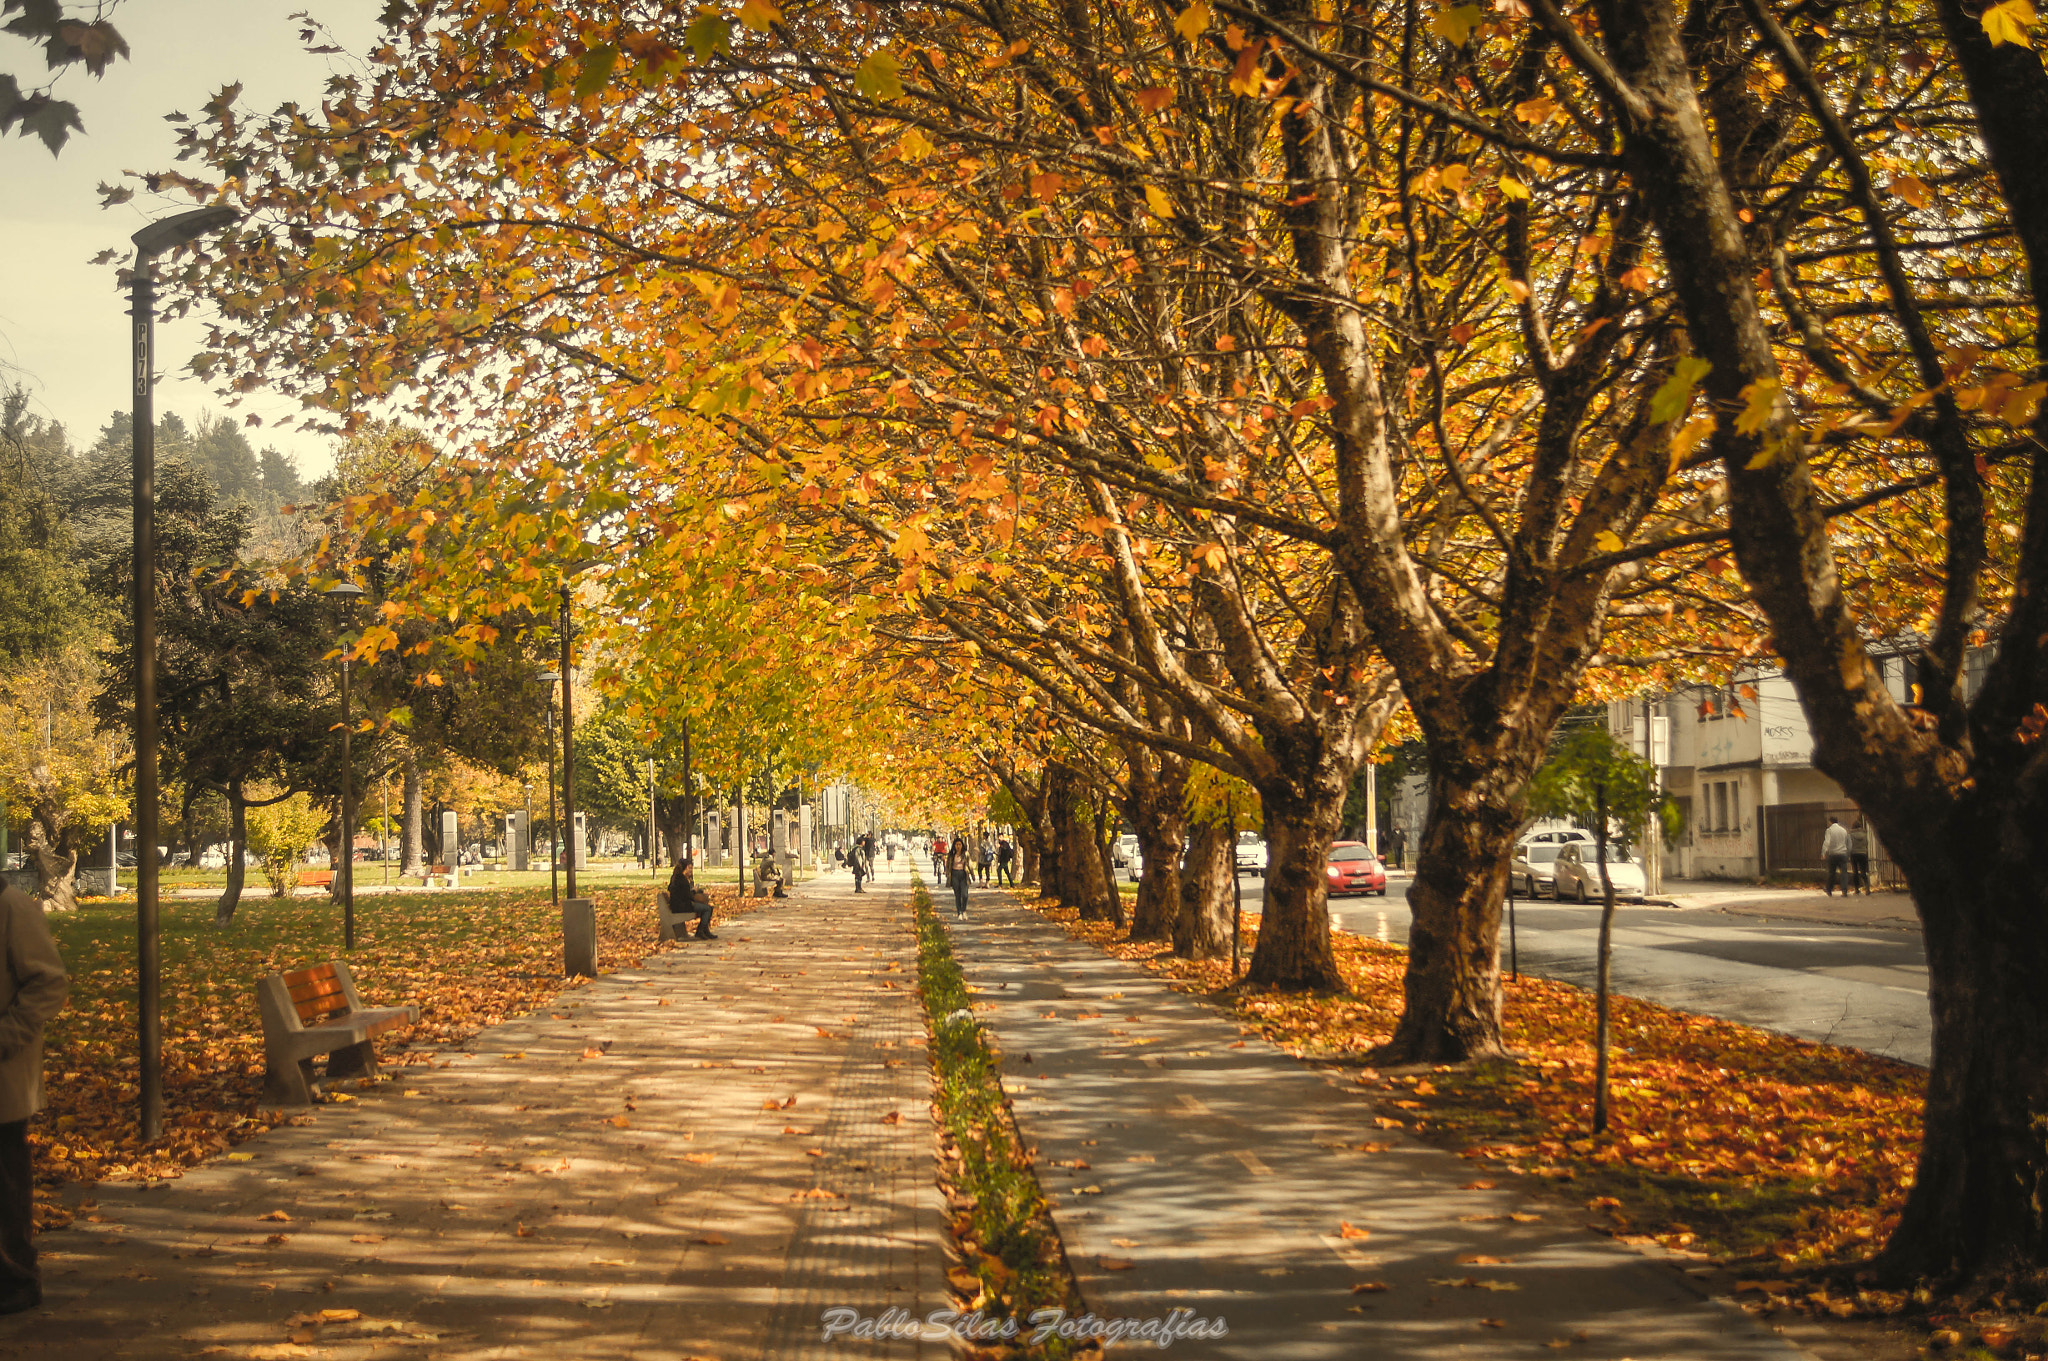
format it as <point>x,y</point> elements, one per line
<point>857,861</point>
<point>959,873</point>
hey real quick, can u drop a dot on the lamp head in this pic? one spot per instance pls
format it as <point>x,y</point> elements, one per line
<point>549,677</point>
<point>343,591</point>
<point>169,232</point>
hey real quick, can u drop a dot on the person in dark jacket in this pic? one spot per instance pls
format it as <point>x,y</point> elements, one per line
<point>959,873</point>
<point>685,896</point>
<point>32,988</point>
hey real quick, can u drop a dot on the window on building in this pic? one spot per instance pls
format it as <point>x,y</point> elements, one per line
<point>1720,805</point>
<point>1734,806</point>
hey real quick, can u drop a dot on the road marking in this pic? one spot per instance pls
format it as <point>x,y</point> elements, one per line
<point>1192,1106</point>
<point>1383,928</point>
<point>1251,1162</point>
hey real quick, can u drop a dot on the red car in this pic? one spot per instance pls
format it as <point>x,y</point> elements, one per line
<point>1354,869</point>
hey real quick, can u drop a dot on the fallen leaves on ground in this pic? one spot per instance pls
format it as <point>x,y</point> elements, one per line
<point>1726,1140</point>
<point>470,959</point>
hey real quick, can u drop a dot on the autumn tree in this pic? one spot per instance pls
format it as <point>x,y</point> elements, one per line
<point>1903,326</point>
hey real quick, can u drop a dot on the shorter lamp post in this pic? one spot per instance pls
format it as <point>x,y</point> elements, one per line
<point>550,679</point>
<point>347,592</point>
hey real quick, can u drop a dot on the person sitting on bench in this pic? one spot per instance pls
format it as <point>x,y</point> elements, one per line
<point>768,871</point>
<point>684,896</point>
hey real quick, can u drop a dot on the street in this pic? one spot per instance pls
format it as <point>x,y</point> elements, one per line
<point>1865,987</point>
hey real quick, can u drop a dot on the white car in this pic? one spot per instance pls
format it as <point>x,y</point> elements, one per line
<point>1576,874</point>
<point>1533,864</point>
<point>1555,838</point>
<point>1251,853</point>
<point>1126,849</point>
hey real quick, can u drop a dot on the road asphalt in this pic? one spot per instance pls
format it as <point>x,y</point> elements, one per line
<point>1840,970</point>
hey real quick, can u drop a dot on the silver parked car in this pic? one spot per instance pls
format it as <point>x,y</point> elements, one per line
<point>1533,863</point>
<point>1576,874</point>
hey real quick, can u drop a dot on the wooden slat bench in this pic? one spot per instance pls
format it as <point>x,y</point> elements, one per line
<point>441,872</point>
<point>317,879</point>
<point>316,1011</point>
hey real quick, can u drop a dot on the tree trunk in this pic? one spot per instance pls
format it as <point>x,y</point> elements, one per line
<point>56,873</point>
<point>412,859</point>
<point>1078,878</point>
<point>1294,928</point>
<point>1039,858</point>
<point>1461,876</point>
<point>1106,827</point>
<point>1201,928</point>
<point>1978,1208</point>
<point>1162,825</point>
<point>238,839</point>
<point>341,851</point>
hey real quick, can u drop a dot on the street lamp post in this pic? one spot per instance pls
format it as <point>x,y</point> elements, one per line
<point>568,751</point>
<point>549,678</point>
<point>150,242</point>
<point>346,592</point>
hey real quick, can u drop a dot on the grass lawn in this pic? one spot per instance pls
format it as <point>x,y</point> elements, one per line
<point>468,958</point>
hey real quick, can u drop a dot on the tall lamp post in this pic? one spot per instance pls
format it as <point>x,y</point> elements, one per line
<point>152,241</point>
<point>346,592</point>
<point>569,839</point>
<point>569,846</point>
<point>549,679</point>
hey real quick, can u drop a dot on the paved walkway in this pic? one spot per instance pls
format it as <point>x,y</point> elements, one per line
<point>690,1159</point>
<point>1192,1168</point>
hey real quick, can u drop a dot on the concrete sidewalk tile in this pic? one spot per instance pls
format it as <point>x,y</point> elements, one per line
<point>609,1184</point>
<point>1185,1174</point>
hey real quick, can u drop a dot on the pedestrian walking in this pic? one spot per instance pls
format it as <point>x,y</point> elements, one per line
<point>1006,855</point>
<point>1397,842</point>
<point>857,861</point>
<point>1859,855</point>
<point>1834,849</point>
<point>985,863</point>
<point>959,873</point>
<point>32,988</point>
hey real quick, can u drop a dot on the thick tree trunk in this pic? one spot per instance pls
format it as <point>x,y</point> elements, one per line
<point>238,841</point>
<point>56,872</point>
<point>1201,927</point>
<point>1978,1208</point>
<point>1461,877</point>
<point>412,859</point>
<point>1294,927</point>
<point>1078,881</point>
<point>1161,827</point>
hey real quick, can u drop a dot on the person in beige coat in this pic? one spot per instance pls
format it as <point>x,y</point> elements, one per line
<point>32,988</point>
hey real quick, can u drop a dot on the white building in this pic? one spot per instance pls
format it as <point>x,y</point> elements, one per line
<point>1739,760</point>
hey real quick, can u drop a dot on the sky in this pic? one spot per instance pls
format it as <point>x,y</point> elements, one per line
<point>63,322</point>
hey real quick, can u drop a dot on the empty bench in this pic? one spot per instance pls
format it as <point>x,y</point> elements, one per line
<point>316,879</point>
<point>316,1011</point>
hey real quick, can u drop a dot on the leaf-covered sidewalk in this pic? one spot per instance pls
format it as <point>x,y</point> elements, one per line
<point>692,1156</point>
<point>1190,1165</point>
